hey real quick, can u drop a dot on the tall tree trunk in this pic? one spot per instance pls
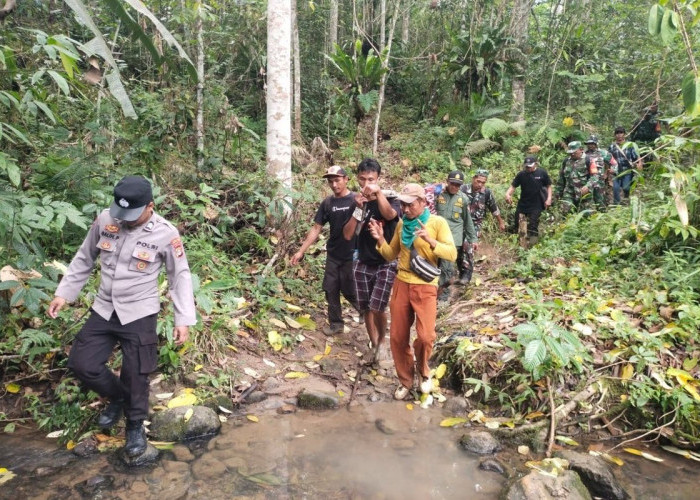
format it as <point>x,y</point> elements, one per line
<point>520,21</point>
<point>382,25</point>
<point>406,23</point>
<point>279,130</point>
<point>296,134</point>
<point>200,88</point>
<point>333,26</point>
<point>382,86</point>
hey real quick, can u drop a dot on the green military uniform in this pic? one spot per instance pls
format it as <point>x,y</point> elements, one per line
<point>573,176</point>
<point>455,209</point>
<point>607,166</point>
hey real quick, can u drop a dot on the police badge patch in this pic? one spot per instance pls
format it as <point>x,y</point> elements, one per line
<point>112,228</point>
<point>177,247</point>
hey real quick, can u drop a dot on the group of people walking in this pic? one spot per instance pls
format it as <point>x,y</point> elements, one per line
<point>377,238</point>
<point>388,248</point>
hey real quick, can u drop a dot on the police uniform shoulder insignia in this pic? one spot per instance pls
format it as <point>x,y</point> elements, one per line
<point>177,247</point>
<point>149,226</point>
<point>112,228</point>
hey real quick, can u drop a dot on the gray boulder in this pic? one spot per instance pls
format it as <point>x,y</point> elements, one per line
<point>170,425</point>
<point>535,486</point>
<point>595,474</point>
<point>480,442</point>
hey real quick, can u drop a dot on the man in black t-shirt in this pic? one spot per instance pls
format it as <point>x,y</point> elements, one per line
<point>535,196</point>
<point>334,210</point>
<point>374,276</point>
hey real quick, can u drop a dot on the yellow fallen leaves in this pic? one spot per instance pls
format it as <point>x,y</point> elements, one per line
<point>686,381</point>
<point>608,458</point>
<point>453,421</point>
<point>644,454</point>
<point>188,415</point>
<point>549,466</point>
<point>292,323</point>
<point>12,388</point>
<point>252,418</point>
<point>691,455</point>
<point>5,475</point>
<point>185,398</point>
<point>275,340</point>
<point>566,440</point>
<point>296,375</point>
<point>627,371</point>
<point>409,406</point>
<point>326,352</point>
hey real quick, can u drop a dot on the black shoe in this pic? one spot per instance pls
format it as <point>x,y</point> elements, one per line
<point>111,415</point>
<point>135,441</point>
<point>464,279</point>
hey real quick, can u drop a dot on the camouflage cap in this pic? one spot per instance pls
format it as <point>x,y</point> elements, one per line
<point>592,139</point>
<point>574,146</point>
<point>482,172</point>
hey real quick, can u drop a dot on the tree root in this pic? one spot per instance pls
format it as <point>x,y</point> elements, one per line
<point>558,414</point>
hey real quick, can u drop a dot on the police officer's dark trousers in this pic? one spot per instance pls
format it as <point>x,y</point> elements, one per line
<point>94,345</point>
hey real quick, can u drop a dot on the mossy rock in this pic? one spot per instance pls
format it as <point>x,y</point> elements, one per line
<point>170,425</point>
<point>216,401</point>
<point>316,400</point>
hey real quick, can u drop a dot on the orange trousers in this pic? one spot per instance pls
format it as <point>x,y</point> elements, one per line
<point>411,302</point>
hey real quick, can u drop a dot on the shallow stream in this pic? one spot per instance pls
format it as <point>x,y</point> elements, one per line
<point>374,451</point>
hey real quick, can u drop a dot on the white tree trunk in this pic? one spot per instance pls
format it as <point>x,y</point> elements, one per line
<point>405,24</point>
<point>333,26</point>
<point>520,22</point>
<point>382,26</point>
<point>297,73</point>
<point>200,88</point>
<point>382,86</point>
<point>279,130</point>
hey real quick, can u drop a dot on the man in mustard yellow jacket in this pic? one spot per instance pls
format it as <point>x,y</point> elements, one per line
<point>413,298</point>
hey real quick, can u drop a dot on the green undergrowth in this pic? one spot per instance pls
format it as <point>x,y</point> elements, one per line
<point>602,299</point>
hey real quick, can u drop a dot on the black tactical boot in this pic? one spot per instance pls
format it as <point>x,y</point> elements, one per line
<point>111,415</point>
<point>135,439</point>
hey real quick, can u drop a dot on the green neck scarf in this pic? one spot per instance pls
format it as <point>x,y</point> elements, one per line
<point>410,226</point>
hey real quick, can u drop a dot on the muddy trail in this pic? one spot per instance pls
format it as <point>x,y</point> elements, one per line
<point>367,446</point>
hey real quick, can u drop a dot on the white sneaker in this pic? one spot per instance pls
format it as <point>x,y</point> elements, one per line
<point>426,386</point>
<point>401,392</point>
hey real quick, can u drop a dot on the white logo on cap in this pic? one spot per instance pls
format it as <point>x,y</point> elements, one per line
<point>123,203</point>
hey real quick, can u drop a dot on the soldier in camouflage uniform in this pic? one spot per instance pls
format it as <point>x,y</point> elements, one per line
<point>480,199</point>
<point>578,179</point>
<point>453,205</point>
<point>602,196</point>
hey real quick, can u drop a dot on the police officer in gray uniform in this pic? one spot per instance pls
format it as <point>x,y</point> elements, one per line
<point>133,243</point>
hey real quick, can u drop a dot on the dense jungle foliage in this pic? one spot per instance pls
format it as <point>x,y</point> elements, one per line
<point>610,299</point>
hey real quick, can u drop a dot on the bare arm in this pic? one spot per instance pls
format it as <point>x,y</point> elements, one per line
<point>311,237</point>
<point>509,194</point>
